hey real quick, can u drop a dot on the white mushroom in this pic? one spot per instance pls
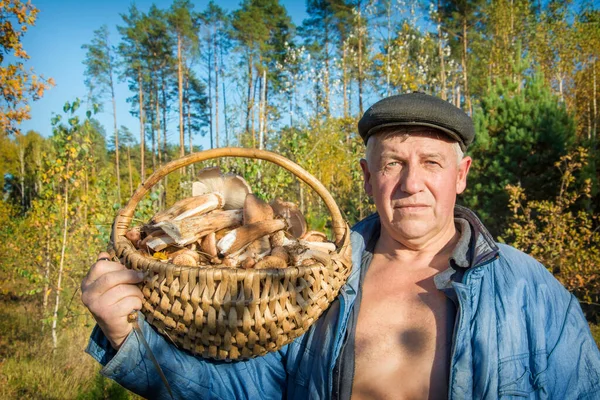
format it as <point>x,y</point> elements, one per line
<point>189,207</point>
<point>191,229</point>
<point>233,188</point>
<point>244,235</point>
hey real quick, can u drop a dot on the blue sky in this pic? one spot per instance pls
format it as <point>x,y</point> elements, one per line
<point>54,45</point>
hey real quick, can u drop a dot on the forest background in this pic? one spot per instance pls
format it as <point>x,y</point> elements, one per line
<point>527,72</point>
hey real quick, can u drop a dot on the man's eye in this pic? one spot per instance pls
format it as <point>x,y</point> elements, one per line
<point>431,162</point>
<point>392,164</point>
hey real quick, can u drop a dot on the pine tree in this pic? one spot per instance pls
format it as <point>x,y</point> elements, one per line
<point>101,69</point>
<point>520,135</point>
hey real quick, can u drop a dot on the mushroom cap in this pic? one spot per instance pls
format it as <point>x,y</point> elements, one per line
<point>292,215</point>
<point>209,245</point>
<point>186,259</point>
<point>233,188</point>
<point>314,236</point>
<point>256,209</point>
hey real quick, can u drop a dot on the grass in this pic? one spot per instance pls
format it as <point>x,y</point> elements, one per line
<point>29,368</point>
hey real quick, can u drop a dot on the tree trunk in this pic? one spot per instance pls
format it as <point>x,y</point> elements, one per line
<point>327,73</point>
<point>22,172</point>
<point>441,54</point>
<point>62,262</point>
<point>465,67</point>
<point>263,110</point>
<point>210,114</point>
<point>114,107</point>
<point>164,119</point>
<point>360,66</point>
<point>130,172</point>
<point>595,114</point>
<point>389,47</point>
<point>180,87</point>
<point>224,102</point>
<point>216,86</point>
<point>142,134</point>
<point>46,277</point>
<point>157,128</point>
<point>345,81</point>
<point>249,100</point>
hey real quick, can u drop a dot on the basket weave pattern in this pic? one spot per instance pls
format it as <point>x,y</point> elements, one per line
<point>227,313</point>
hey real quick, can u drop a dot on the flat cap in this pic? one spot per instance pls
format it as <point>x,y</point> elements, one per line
<point>418,109</point>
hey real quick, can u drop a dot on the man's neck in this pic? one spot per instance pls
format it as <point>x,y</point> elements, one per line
<point>434,252</point>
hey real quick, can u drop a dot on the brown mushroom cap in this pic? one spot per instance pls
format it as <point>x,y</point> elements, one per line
<point>314,236</point>
<point>256,209</point>
<point>209,245</point>
<point>292,215</point>
<point>233,188</point>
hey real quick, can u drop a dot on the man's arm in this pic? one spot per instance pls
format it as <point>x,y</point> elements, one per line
<point>110,294</point>
<point>574,362</point>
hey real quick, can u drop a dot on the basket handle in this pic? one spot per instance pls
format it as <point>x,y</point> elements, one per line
<point>125,215</point>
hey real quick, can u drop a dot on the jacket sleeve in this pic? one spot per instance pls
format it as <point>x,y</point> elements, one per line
<point>574,361</point>
<point>188,376</point>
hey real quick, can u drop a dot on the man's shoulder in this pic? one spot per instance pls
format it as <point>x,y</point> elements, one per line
<point>515,268</point>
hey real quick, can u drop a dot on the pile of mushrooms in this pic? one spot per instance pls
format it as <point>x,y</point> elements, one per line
<point>224,225</point>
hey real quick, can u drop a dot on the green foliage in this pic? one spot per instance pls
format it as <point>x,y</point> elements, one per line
<point>559,235</point>
<point>520,133</point>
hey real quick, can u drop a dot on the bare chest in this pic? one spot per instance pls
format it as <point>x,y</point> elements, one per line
<point>402,339</point>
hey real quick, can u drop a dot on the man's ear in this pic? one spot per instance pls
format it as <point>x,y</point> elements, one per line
<point>463,171</point>
<point>366,176</point>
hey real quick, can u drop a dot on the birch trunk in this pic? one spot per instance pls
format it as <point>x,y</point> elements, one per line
<point>114,107</point>
<point>46,277</point>
<point>216,61</point>
<point>180,89</point>
<point>441,54</point>
<point>465,67</point>
<point>142,134</point>
<point>62,262</point>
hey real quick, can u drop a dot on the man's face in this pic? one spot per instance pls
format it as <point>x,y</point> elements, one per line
<point>414,181</point>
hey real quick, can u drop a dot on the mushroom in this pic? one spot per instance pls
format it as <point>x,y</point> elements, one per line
<point>281,252</point>
<point>191,229</point>
<point>157,241</point>
<point>256,210</point>
<point>209,245</point>
<point>299,258</point>
<point>326,247</point>
<point>244,235</point>
<point>187,258</point>
<point>190,207</point>
<point>134,235</point>
<point>314,236</point>
<point>292,215</point>
<point>270,262</point>
<point>233,188</point>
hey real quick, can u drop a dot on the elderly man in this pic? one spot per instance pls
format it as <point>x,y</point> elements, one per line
<point>433,307</point>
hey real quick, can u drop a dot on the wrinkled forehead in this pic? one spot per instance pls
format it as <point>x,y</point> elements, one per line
<point>403,133</point>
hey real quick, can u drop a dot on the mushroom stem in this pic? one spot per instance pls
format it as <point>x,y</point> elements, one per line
<point>246,234</point>
<point>191,229</point>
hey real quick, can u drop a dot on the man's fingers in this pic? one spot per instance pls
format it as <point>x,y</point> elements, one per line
<point>125,306</point>
<point>109,280</point>
<point>119,292</point>
<point>100,268</point>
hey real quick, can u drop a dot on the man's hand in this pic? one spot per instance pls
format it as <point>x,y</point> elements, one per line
<point>110,293</point>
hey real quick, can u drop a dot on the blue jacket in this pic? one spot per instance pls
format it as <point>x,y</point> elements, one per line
<point>518,334</point>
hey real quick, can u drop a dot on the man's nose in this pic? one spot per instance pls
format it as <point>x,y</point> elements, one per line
<point>411,181</point>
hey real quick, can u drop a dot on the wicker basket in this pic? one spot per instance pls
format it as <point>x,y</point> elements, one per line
<point>231,314</point>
